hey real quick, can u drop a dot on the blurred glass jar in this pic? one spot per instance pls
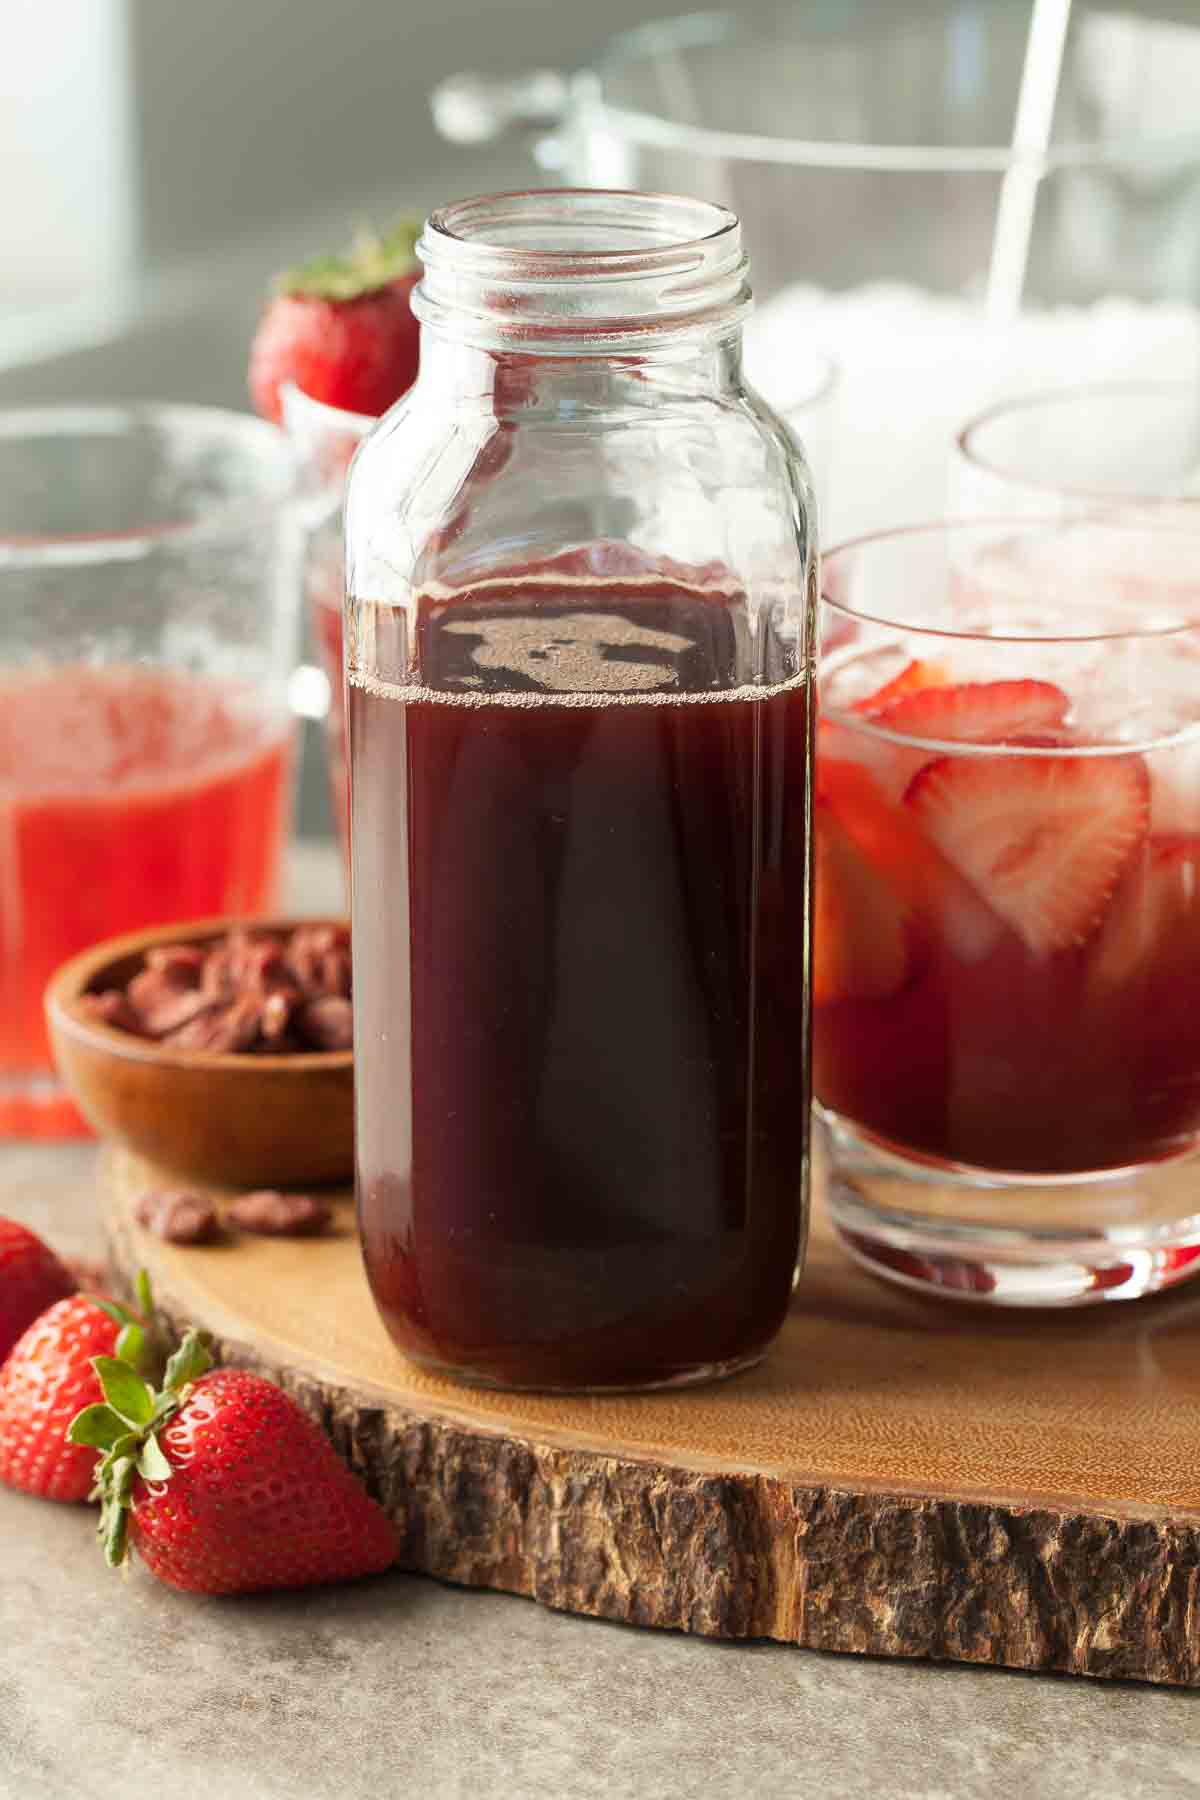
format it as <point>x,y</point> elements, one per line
<point>325,438</point>
<point>150,567</point>
<point>581,574</point>
<point>898,118</point>
<point>1125,451</point>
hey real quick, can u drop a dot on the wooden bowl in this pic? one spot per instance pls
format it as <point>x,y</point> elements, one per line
<point>240,1121</point>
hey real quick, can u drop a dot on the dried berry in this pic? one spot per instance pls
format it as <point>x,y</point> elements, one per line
<point>183,962</point>
<point>332,974</point>
<point>177,1216</point>
<point>161,1010</point>
<point>277,1010</point>
<point>221,1030</point>
<point>263,967</point>
<point>219,980</point>
<point>111,1008</point>
<point>280,1215</point>
<point>253,990</point>
<point>326,1023</point>
<point>319,956</point>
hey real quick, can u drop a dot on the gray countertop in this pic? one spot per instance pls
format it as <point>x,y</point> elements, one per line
<point>402,1686</point>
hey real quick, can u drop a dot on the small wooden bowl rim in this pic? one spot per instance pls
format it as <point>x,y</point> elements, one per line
<point>81,975</point>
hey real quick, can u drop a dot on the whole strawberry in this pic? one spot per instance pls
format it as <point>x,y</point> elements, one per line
<point>341,328</point>
<point>223,1485</point>
<point>49,1375</point>
<point>31,1279</point>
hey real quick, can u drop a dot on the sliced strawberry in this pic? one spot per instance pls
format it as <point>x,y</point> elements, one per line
<point>860,948</point>
<point>1154,919</point>
<point>993,712</point>
<point>975,712</point>
<point>1044,839</point>
<point>889,837</point>
<point>914,676</point>
<point>842,741</point>
<point>844,745</point>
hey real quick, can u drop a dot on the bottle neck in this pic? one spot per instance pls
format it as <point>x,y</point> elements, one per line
<point>514,384</point>
<point>583,273</point>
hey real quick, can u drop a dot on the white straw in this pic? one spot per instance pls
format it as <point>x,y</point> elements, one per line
<point>1030,140</point>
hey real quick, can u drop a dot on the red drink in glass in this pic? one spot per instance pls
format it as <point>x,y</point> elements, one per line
<point>127,796</point>
<point>952,1019</point>
<point>1006,1039</point>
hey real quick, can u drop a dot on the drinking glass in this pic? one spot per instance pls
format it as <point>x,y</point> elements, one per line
<point>325,438</point>
<point>1121,448</point>
<point>1007,906</point>
<point>150,564</point>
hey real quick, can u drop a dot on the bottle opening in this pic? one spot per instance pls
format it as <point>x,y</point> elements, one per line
<point>582,270</point>
<point>587,223</point>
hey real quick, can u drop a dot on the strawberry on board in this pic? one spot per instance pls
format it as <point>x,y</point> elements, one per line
<point>1044,839</point>
<point>222,1484</point>
<point>31,1279</point>
<point>47,1378</point>
<point>341,328</point>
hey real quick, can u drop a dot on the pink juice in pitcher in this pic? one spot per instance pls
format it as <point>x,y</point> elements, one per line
<point>128,795</point>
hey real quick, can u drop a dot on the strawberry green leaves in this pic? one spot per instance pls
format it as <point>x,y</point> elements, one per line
<point>98,1426</point>
<point>374,259</point>
<point>124,1425</point>
<point>128,1401</point>
<point>190,1361</point>
<point>152,1464</point>
<point>141,1410</point>
<point>124,1389</point>
<point>131,1344</point>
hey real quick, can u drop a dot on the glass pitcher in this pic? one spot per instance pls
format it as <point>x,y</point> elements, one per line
<point>897,115</point>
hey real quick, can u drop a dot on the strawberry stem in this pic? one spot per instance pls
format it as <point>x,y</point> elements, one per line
<point>132,1346</point>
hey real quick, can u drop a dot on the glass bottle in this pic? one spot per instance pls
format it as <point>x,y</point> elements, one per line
<point>580,589</point>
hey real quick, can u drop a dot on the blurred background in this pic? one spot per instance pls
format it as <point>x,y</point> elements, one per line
<point>160,160</point>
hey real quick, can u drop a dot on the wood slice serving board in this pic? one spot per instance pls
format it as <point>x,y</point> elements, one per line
<point>898,1477</point>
